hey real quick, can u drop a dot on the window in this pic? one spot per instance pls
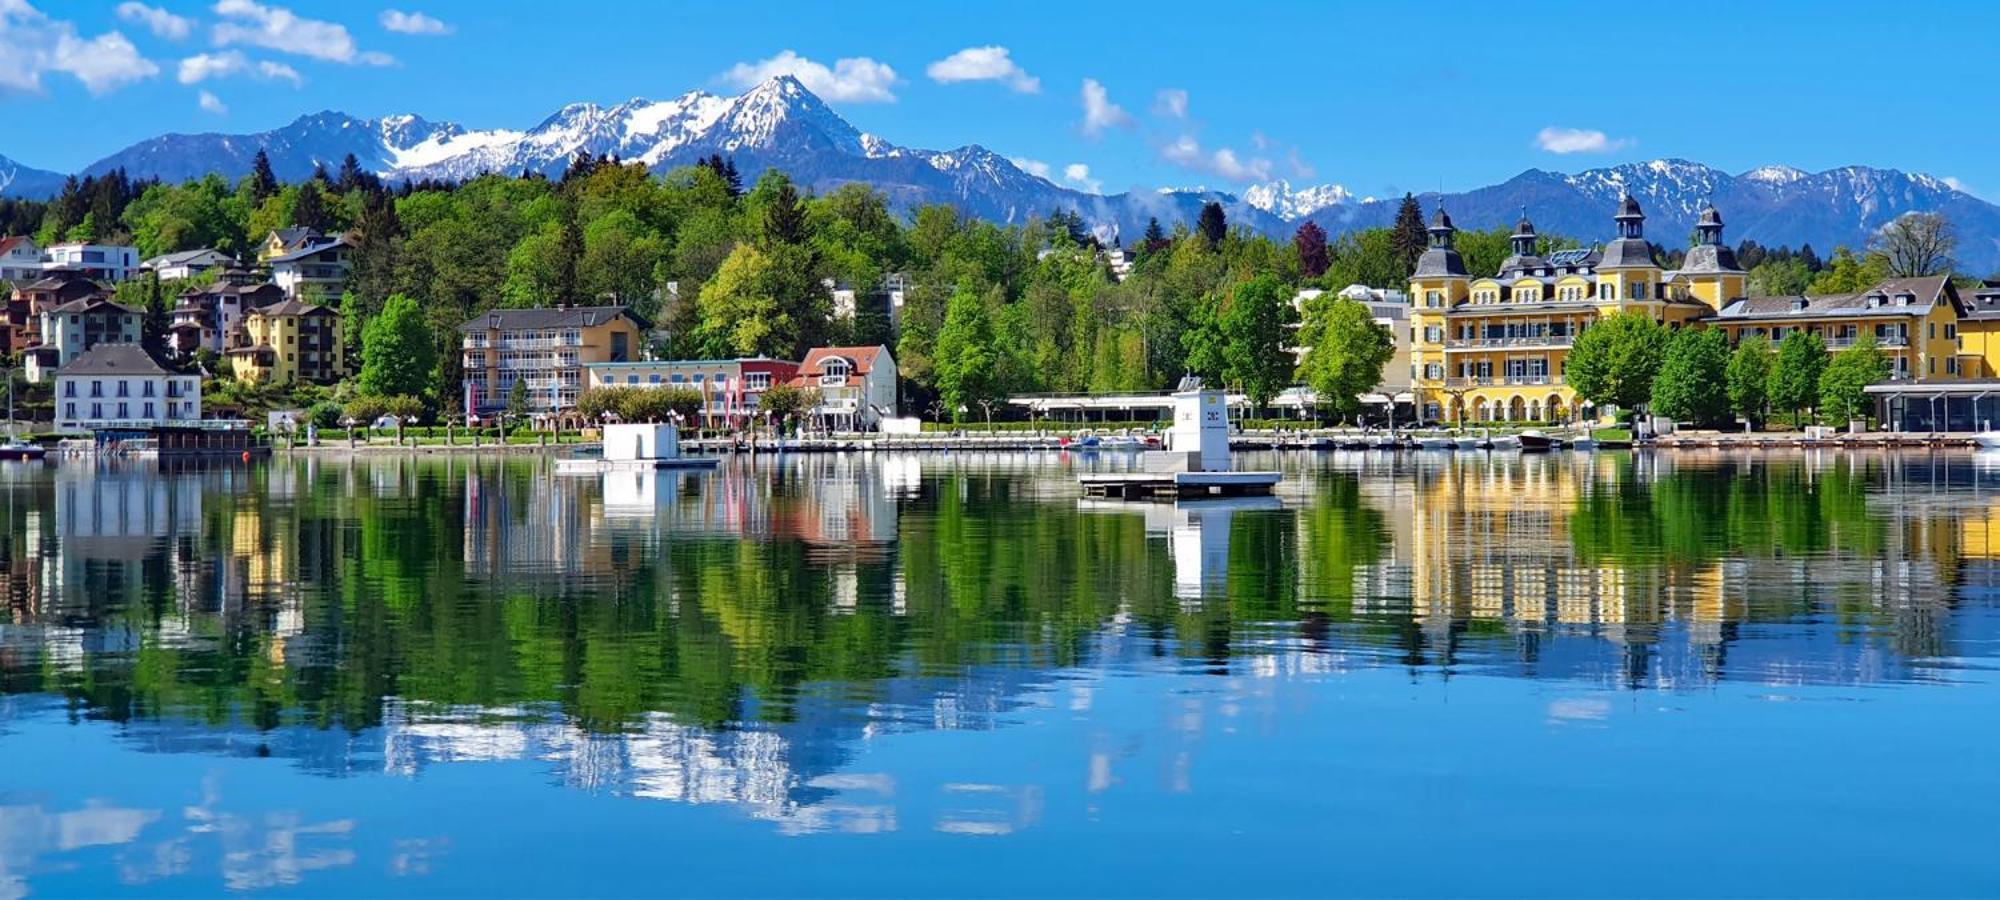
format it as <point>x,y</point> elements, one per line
<point>148,411</point>
<point>1639,291</point>
<point>97,410</point>
<point>69,388</point>
<point>757,381</point>
<point>1950,331</point>
<point>1607,291</point>
<point>124,388</point>
<point>96,388</point>
<point>653,378</point>
<point>69,410</point>
<point>124,411</point>
<point>1433,371</point>
<point>1433,334</point>
<point>634,379</point>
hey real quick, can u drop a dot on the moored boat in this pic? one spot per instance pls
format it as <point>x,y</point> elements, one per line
<point>14,451</point>
<point>1987,440</point>
<point>1534,441</point>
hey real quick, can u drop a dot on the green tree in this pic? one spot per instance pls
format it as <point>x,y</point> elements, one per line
<point>397,351</point>
<point>1795,374</point>
<point>787,403</point>
<point>517,398</point>
<point>966,361</point>
<point>309,209</point>
<point>1687,388</point>
<point>1254,326</point>
<point>1843,383</point>
<point>740,314</point>
<point>1347,351</point>
<point>1615,360</point>
<point>1750,379</point>
<point>1847,273</point>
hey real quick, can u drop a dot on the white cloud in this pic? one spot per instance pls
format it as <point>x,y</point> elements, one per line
<point>412,23</point>
<point>213,104</point>
<point>1033,167</point>
<point>204,66</point>
<point>1079,174</point>
<point>280,29</point>
<point>33,45</point>
<point>160,22</point>
<point>1187,153</point>
<point>1956,184</point>
<point>983,64</point>
<point>1578,140</point>
<point>1099,112</point>
<point>277,71</point>
<point>1171,103</point>
<point>853,80</point>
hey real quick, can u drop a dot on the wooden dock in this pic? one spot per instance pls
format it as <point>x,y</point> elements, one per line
<point>1177,485</point>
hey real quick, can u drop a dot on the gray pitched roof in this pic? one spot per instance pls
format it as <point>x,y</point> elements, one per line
<point>1626,253</point>
<point>1896,296</point>
<point>1440,261</point>
<point>312,248</point>
<point>522,319</point>
<point>113,359</point>
<point>1709,259</point>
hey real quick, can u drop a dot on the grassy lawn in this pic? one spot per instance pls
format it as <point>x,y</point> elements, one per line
<point>1612,434</point>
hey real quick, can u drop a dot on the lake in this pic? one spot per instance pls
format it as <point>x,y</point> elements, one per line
<point>1420,674</point>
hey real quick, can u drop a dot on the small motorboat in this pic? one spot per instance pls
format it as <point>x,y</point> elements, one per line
<point>1385,442</point>
<point>1535,442</point>
<point>1436,442</point>
<point>15,451</point>
<point>1987,440</point>
<point>1583,442</point>
<point>1468,442</point>
<point>1319,443</point>
<point>1087,442</point>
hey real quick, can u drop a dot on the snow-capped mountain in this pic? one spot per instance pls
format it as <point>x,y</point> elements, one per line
<point>17,180</point>
<point>781,124</point>
<point>1280,199</point>
<point>1772,205</point>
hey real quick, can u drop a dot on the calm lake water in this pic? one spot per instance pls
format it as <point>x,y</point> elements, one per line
<point>949,675</point>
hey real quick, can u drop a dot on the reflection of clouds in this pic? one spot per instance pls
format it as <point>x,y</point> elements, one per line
<point>268,850</point>
<point>990,809</point>
<point>29,832</point>
<point>1579,709</point>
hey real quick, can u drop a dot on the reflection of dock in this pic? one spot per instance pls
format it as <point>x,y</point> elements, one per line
<point>1197,533</point>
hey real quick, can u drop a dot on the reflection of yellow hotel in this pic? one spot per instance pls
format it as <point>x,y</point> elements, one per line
<point>1492,348</point>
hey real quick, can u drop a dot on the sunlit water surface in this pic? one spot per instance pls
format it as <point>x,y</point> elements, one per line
<point>948,674</point>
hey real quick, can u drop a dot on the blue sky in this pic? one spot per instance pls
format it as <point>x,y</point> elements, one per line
<point>1379,97</point>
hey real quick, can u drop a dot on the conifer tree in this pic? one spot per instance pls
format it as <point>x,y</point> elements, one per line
<point>310,210</point>
<point>1213,226</point>
<point>1408,238</point>
<point>263,182</point>
<point>1155,238</point>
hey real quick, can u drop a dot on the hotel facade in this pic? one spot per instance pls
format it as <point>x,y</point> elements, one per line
<point>1493,347</point>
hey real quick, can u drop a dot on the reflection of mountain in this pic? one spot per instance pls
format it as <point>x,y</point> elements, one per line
<point>733,637</point>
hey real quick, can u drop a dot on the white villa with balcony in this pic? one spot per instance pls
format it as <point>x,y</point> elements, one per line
<point>857,386</point>
<point>117,386</point>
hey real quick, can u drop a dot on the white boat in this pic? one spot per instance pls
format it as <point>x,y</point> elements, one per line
<point>1506,442</point>
<point>1468,442</point>
<point>1436,442</point>
<point>1581,442</point>
<point>1987,440</point>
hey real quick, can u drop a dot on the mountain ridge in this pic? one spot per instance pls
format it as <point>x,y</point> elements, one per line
<point>780,123</point>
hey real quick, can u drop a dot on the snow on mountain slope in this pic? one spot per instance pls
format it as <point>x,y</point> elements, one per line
<point>1280,199</point>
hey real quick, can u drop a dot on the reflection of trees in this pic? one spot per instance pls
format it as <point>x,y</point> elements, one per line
<point>320,593</point>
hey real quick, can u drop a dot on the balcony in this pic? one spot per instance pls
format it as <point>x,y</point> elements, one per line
<point>1504,381</point>
<point>1886,342</point>
<point>833,381</point>
<point>1539,341</point>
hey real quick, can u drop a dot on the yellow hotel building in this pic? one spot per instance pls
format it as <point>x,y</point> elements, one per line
<point>1491,348</point>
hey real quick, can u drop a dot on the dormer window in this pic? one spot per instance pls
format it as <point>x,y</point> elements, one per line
<point>1798,304</point>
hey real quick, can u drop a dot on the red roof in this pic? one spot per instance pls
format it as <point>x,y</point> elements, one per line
<point>861,358</point>
<point>9,243</point>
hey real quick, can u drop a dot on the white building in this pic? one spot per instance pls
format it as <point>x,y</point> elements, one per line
<point>20,260</point>
<point>102,262</point>
<point>318,268</point>
<point>887,295</point>
<point>857,385</point>
<point>186,264</point>
<point>1391,310</point>
<point>119,386</point>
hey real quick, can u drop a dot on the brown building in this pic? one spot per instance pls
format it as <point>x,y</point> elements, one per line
<point>28,303</point>
<point>210,317</point>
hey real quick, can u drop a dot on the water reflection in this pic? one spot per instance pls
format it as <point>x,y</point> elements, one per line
<point>735,637</point>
